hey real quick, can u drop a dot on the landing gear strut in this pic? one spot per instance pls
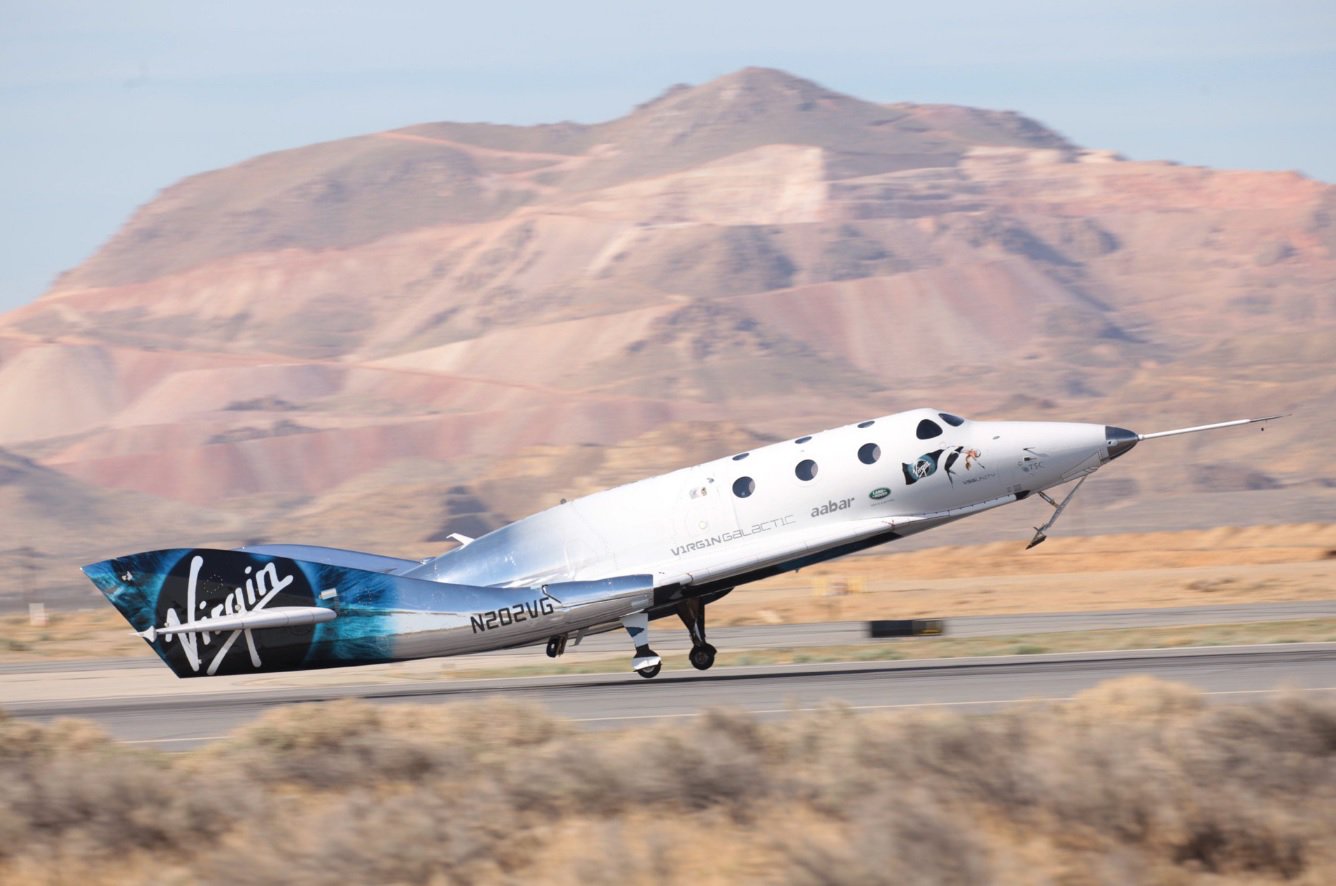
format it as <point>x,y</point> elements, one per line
<point>646,661</point>
<point>1040,532</point>
<point>692,613</point>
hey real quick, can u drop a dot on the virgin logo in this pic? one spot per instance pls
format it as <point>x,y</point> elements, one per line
<point>259,590</point>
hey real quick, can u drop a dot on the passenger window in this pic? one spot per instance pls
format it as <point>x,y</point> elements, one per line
<point>805,470</point>
<point>867,424</point>
<point>927,429</point>
<point>868,453</point>
<point>740,456</point>
<point>954,421</point>
<point>802,440</point>
<point>744,486</point>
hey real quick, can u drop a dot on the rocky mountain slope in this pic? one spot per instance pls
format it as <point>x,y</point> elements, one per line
<point>380,340</point>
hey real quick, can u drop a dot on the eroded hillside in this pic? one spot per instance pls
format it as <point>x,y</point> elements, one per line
<point>408,333</point>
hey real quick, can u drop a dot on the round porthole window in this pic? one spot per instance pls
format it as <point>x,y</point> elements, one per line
<point>868,453</point>
<point>806,469</point>
<point>744,486</point>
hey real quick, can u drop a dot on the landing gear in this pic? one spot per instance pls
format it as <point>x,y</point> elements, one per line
<point>692,613</point>
<point>646,661</point>
<point>1040,532</point>
<point>702,657</point>
<point>556,646</point>
<point>652,670</point>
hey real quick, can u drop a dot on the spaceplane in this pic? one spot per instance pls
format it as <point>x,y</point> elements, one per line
<point>616,559</point>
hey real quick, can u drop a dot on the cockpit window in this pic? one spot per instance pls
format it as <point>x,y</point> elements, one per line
<point>954,421</point>
<point>927,429</point>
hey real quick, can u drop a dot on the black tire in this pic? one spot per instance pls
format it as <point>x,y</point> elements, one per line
<point>649,672</point>
<point>702,657</point>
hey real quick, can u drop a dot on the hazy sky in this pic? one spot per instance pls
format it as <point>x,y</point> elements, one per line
<point>104,104</point>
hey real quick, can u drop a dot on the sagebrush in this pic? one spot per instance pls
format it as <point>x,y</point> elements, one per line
<point>1136,780</point>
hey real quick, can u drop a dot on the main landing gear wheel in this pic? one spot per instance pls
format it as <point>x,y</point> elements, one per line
<point>702,657</point>
<point>646,663</point>
<point>692,613</point>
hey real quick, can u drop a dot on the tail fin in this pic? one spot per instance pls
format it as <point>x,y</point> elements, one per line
<point>207,612</point>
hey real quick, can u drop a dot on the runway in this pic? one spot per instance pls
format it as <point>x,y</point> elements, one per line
<point>668,635</point>
<point>188,718</point>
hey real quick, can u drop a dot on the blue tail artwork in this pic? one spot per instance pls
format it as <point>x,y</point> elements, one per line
<point>159,591</point>
<point>210,612</point>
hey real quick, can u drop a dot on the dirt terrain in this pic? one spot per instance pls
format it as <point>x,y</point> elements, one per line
<point>1228,565</point>
<point>1253,564</point>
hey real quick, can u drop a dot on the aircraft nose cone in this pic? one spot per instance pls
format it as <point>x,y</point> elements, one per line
<point>1119,440</point>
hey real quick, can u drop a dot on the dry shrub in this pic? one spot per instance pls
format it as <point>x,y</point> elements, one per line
<point>1226,790</point>
<point>1136,780</point>
<point>350,743</point>
<point>419,835</point>
<point>713,762</point>
<point>891,837</point>
<point>69,790</point>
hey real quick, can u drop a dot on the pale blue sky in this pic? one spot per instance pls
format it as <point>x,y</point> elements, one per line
<point>104,104</point>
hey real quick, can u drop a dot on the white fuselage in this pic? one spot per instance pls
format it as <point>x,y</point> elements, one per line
<point>781,506</point>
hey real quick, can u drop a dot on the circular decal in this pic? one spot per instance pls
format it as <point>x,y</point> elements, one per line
<point>208,584</point>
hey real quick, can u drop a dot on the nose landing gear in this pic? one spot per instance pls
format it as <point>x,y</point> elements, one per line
<point>1041,532</point>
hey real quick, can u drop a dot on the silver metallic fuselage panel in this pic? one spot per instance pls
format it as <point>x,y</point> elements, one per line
<point>688,527</point>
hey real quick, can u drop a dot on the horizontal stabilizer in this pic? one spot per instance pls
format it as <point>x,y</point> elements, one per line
<point>277,617</point>
<point>336,557</point>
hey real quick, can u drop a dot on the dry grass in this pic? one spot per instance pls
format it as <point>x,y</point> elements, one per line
<point>95,633</point>
<point>1133,781</point>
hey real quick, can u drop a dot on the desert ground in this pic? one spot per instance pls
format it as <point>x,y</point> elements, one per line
<point>1227,565</point>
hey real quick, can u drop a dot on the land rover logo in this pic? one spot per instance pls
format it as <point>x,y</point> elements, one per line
<point>879,493</point>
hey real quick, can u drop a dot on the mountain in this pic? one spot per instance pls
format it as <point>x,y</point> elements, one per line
<point>450,325</point>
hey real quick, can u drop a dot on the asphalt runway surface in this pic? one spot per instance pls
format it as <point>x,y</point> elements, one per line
<point>186,719</point>
<point>667,635</point>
